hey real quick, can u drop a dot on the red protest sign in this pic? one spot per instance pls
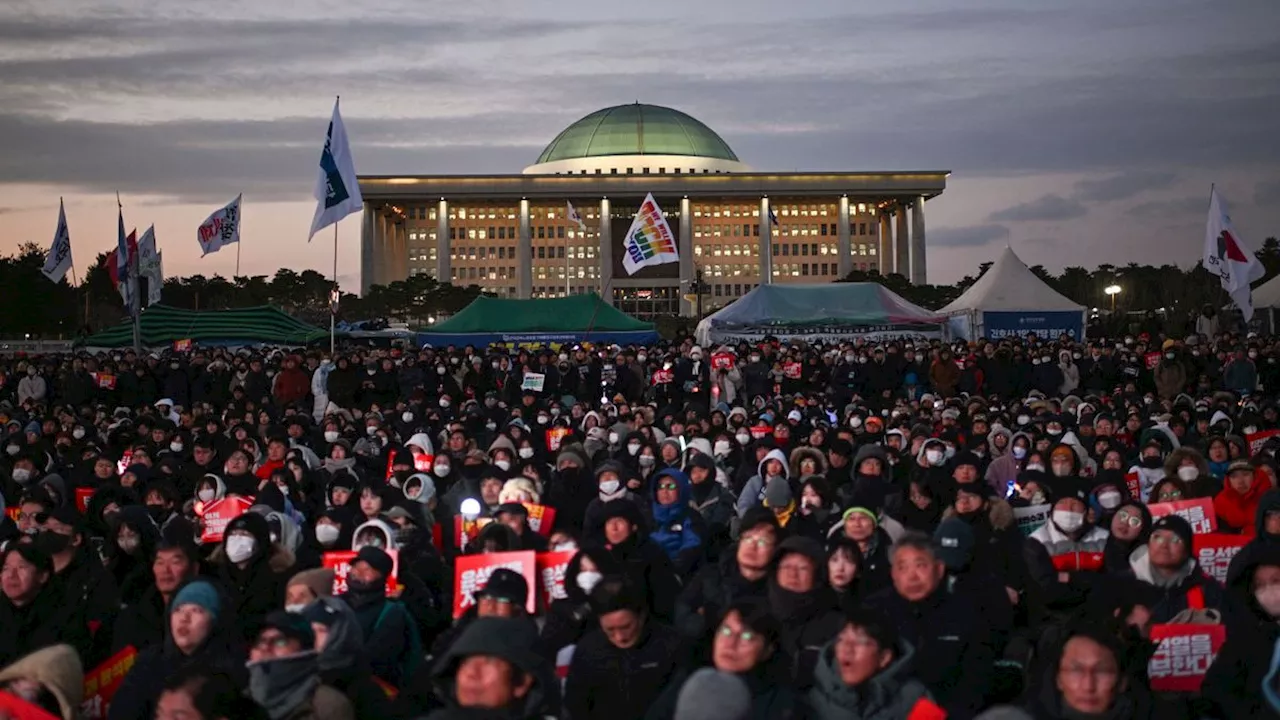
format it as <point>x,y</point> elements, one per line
<point>1215,551</point>
<point>15,708</point>
<point>465,531</point>
<point>1184,654</point>
<point>759,431</point>
<point>723,361</point>
<point>556,436</point>
<point>551,569</point>
<point>1134,484</point>
<point>661,377</point>
<point>182,345</point>
<point>217,514</point>
<point>541,518</point>
<point>1198,512</point>
<point>471,573</point>
<point>101,683</point>
<point>105,381</point>
<point>83,495</point>
<point>1258,439</point>
<point>422,462</point>
<point>1152,359</point>
<point>126,459</point>
<point>340,562</point>
<point>792,370</point>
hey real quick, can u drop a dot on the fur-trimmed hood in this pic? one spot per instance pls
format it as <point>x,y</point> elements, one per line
<point>1175,458</point>
<point>999,513</point>
<point>800,454</point>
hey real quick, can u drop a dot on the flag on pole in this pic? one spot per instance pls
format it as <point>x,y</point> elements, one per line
<point>773,217</point>
<point>650,240</point>
<point>126,266</point>
<point>220,228</point>
<point>575,217</point>
<point>1227,256</point>
<point>337,192</point>
<point>58,261</point>
<point>149,265</point>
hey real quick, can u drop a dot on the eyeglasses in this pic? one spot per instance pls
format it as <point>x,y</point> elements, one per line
<point>1166,539</point>
<point>1129,518</point>
<point>744,636</point>
<point>1170,494</point>
<point>271,642</point>
<point>668,486</point>
<point>759,541</point>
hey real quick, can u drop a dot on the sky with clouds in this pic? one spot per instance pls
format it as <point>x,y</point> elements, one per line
<point>1078,132</point>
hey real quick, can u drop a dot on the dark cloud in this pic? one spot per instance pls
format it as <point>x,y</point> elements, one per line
<point>1267,193</point>
<point>1173,209</point>
<point>1123,186</point>
<point>1048,207</point>
<point>970,236</point>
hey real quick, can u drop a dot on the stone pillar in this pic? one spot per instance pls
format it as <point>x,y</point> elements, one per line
<point>524,255</point>
<point>688,308</point>
<point>884,243</point>
<point>381,253</point>
<point>919,271</point>
<point>606,252</point>
<point>844,247</point>
<point>902,244</point>
<point>766,243</point>
<point>368,227</point>
<point>444,266</point>
<point>399,250</point>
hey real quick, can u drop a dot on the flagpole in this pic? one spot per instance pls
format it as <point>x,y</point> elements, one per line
<point>333,309</point>
<point>130,276</point>
<point>237,254</point>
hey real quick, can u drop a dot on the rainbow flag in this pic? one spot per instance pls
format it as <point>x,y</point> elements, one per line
<point>650,240</point>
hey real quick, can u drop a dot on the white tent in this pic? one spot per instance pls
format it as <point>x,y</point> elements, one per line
<point>1009,300</point>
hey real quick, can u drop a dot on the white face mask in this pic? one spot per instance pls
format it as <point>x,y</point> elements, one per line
<point>1188,473</point>
<point>1109,500</point>
<point>721,448</point>
<point>503,465</point>
<point>444,402</point>
<point>588,580</point>
<point>613,438</point>
<point>21,475</point>
<point>1268,599</point>
<point>647,461</point>
<point>1019,452</point>
<point>327,534</point>
<point>1038,467</point>
<point>240,548</point>
<point>128,544</point>
<point>1068,521</point>
<point>743,438</point>
<point>371,430</point>
<point>295,608</point>
<point>525,452</point>
<point>609,487</point>
<point>175,447</point>
<point>1024,419</point>
<point>206,495</point>
<point>934,457</point>
<point>633,448</point>
<point>407,417</point>
<point>78,433</point>
<point>440,469</point>
<point>330,436</point>
<point>12,449</point>
<point>641,357</point>
<point>440,370</point>
<point>543,419</point>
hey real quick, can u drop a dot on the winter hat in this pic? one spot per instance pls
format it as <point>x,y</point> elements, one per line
<point>965,458</point>
<point>377,559</point>
<point>422,482</point>
<point>58,669</point>
<point>875,517</point>
<point>201,594</point>
<point>954,541</point>
<point>1177,525</point>
<point>709,694</point>
<point>777,494</point>
<point>506,584</point>
<point>293,626</point>
<point>319,581</point>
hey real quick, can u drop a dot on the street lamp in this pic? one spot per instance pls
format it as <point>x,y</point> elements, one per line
<point>1113,291</point>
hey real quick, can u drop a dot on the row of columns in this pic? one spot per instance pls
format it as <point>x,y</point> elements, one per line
<point>384,250</point>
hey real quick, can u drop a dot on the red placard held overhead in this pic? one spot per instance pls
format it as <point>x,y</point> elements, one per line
<point>219,513</point>
<point>471,573</point>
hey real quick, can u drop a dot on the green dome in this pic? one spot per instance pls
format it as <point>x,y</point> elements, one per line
<point>637,130</point>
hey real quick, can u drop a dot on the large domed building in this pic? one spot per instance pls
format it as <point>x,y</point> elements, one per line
<point>735,226</point>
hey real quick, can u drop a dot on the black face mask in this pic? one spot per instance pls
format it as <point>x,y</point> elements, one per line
<point>361,593</point>
<point>52,542</point>
<point>158,513</point>
<point>1152,463</point>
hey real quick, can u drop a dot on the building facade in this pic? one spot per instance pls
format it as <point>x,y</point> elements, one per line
<point>512,234</point>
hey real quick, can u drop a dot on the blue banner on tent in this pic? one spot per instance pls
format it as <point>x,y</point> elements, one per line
<point>997,325</point>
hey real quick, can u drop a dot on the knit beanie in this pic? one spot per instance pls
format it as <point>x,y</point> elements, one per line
<point>201,593</point>
<point>709,694</point>
<point>875,517</point>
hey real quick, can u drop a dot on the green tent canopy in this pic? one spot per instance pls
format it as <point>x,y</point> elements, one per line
<point>578,318</point>
<point>164,325</point>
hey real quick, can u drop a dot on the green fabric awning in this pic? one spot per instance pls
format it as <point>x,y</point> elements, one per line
<point>164,325</point>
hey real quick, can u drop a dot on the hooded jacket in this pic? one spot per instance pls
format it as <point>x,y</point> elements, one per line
<point>1232,685</point>
<point>58,669</point>
<point>1203,486</point>
<point>609,683</point>
<point>1005,469</point>
<point>753,492</point>
<point>674,526</point>
<point>510,640</point>
<point>1238,511</point>
<point>1168,597</point>
<point>258,588</point>
<point>342,662</point>
<point>1262,540</point>
<point>888,695</point>
<point>809,619</point>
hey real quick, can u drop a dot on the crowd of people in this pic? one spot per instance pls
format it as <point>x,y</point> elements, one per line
<point>758,530</point>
